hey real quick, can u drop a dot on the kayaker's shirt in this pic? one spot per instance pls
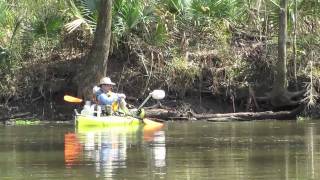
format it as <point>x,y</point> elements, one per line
<point>106,98</point>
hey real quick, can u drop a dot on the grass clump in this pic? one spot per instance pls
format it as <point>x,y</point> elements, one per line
<point>181,74</point>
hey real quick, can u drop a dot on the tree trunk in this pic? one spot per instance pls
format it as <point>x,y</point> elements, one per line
<point>96,63</point>
<point>294,47</point>
<point>279,91</point>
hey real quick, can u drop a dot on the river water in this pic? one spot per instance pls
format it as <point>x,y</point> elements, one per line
<point>180,150</point>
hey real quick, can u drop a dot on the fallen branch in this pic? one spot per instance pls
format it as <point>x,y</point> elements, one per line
<point>241,116</point>
<point>15,116</point>
<point>161,114</point>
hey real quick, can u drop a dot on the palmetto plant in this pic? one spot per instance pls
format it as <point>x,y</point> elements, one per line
<point>29,31</point>
<point>4,19</point>
<point>127,14</point>
<point>129,17</point>
<point>216,8</point>
<point>139,17</point>
<point>176,6</point>
<point>84,14</point>
<point>3,14</point>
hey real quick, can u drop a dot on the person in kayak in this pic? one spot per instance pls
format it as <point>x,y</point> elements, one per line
<point>109,99</point>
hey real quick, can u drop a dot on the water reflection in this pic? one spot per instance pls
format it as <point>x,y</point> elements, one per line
<point>107,148</point>
<point>311,150</point>
<point>159,149</point>
<point>180,150</point>
<point>72,149</point>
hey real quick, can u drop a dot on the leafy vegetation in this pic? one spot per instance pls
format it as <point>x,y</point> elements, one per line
<point>26,122</point>
<point>227,43</point>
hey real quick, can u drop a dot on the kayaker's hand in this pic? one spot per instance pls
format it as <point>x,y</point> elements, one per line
<point>95,89</point>
<point>122,96</point>
<point>141,113</point>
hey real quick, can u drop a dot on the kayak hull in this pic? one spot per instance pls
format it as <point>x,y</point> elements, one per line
<point>106,121</point>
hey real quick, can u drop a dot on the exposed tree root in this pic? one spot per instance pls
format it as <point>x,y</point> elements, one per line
<point>285,101</point>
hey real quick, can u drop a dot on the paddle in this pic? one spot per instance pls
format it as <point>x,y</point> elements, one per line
<point>72,99</point>
<point>155,94</point>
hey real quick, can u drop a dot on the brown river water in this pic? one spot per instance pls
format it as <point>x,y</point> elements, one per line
<point>180,150</point>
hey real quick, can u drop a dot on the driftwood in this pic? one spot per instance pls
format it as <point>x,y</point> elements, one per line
<point>241,116</point>
<point>15,116</point>
<point>162,113</point>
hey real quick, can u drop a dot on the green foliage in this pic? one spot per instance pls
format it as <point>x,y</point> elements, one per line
<point>26,122</point>
<point>3,12</point>
<point>89,6</point>
<point>218,10</point>
<point>29,32</point>
<point>127,15</point>
<point>176,6</point>
<point>309,7</point>
<point>159,36</point>
<point>161,30</point>
<point>50,26</point>
<point>10,56</point>
<point>129,12</point>
<point>140,19</point>
<point>303,118</point>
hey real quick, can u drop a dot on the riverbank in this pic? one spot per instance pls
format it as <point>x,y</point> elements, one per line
<point>207,108</point>
<point>43,97</point>
<point>206,57</point>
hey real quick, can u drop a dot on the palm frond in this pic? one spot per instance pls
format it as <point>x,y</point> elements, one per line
<point>128,14</point>
<point>275,3</point>
<point>83,13</point>
<point>73,25</point>
<point>131,13</point>
<point>176,6</point>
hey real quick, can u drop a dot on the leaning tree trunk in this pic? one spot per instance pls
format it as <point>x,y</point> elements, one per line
<point>279,91</point>
<point>97,59</point>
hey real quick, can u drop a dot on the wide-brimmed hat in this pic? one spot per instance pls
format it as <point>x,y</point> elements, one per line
<point>106,80</point>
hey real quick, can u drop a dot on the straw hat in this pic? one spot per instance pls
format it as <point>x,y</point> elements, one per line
<point>106,80</point>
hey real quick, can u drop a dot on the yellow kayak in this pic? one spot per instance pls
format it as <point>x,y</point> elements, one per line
<point>106,121</point>
<point>85,121</point>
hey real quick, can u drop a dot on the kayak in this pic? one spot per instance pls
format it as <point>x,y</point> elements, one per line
<point>127,129</point>
<point>106,121</point>
<point>89,120</point>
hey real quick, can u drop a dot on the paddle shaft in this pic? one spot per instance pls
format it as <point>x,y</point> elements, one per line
<point>144,102</point>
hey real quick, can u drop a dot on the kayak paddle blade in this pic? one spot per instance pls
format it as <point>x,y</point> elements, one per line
<point>158,94</point>
<point>72,99</point>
